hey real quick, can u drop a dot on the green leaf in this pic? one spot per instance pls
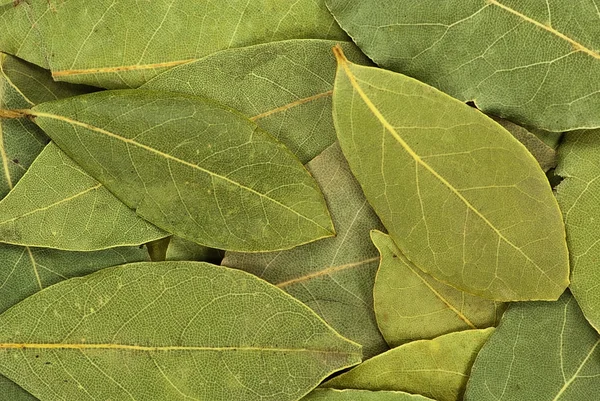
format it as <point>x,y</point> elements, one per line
<point>534,62</point>
<point>116,44</point>
<point>12,392</point>
<point>540,351</point>
<point>286,88</point>
<point>411,305</point>
<point>180,249</point>
<point>461,197</point>
<point>328,394</point>
<point>168,331</point>
<point>577,195</point>
<point>191,167</point>
<point>334,276</point>
<point>436,368</point>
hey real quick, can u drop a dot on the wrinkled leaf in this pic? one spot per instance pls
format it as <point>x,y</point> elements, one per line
<point>459,195</point>
<point>411,305</point>
<point>286,88</point>
<point>329,394</point>
<point>333,276</point>
<point>540,351</point>
<point>534,62</point>
<point>191,167</point>
<point>437,368</point>
<point>116,44</point>
<point>97,337</point>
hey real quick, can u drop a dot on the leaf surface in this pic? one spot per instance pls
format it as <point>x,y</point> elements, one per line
<point>460,196</point>
<point>437,368</point>
<point>533,62</point>
<point>329,394</point>
<point>333,276</point>
<point>411,305</point>
<point>168,331</point>
<point>191,167</point>
<point>540,351</point>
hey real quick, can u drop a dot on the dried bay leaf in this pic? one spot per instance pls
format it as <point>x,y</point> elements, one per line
<point>334,276</point>
<point>534,62</point>
<point>461,197</point>
<point>329,394</point>
<point>285,87</point>
<point>437,368</point>
<point>98,337</point>
<point>180,250</point>
<point>411,305</point>
<point>122,44</point>
<point>540,351</point>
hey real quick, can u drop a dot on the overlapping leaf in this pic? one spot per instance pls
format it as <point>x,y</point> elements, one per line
<point>168,331</point>
<point>333,276</point>
<point>329,394</point>
<point>461,197</point>
<point>534,62</point>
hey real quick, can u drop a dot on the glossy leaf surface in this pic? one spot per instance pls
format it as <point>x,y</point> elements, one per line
<point>329,394</point>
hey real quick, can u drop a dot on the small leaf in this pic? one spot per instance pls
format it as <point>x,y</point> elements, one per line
<point>329,394</point>
<point>411,305</point>
<point>461,197</point>
<point>180,250</point>
<point>540,351</point>
<point>168,331</point>
<point>436,368</point>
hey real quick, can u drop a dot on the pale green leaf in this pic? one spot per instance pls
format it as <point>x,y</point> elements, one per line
<point>461,197</point>
<point>437,368</point>
<point>534,62</point>
<point>285,87</point>
<point>191,167</point>
<point>168,331</point>
<point>411,305</point>
<point>334,276</point>
<point>116,44</point>
<point>541,351</point>
<point>329,394</point>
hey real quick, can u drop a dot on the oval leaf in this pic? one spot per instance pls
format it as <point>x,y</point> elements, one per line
<point>459,195</point>
<point>329,394</point>
<point>156,331</point>
<point>191,167</point>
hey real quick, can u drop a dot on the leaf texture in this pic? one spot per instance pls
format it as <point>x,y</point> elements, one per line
<point>191,167</point>
<point>333,276</point>
<point>534,62</point>
<point>411,305</point>
<point>116,44</point>
<point>329,394</point>
<point>97,337</point>
<point>463,199</point>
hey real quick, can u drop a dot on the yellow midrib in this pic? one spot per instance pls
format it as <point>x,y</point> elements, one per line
<point>326,271</point>
<point>121,68</point>
<point>292,105</point>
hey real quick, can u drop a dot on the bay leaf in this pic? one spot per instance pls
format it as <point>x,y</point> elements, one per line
<point>540,351</point>
<point>12,392</point>
<point>115,44</point>
<point>437,368</point>
<point>329,394</point>
<point>286,88</point>
<point>411,305</point>
<point>181,249</point>
<point>461,197</point>
<point>191,167</point>
<point>97,337</point>
<point>577,195</point>
<point>533,62</point>
<point>333,276</point>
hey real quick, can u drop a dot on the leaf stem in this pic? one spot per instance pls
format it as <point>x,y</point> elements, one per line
<point>15,113</point>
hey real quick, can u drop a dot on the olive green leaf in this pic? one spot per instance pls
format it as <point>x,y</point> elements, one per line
<point>12,392</point>
<point>285,87</point>
<point>461,197</point>
<point>334,276</point>
<point>168,331</point>
<point>437,368</point>
<point>191,167</point>
<point>577,194</point>
<point>536,62</point>
<point>541,351</point>
<point>329,394</point>
<point>116,44</point>
<point>180,250</point>
<point>411,305</point>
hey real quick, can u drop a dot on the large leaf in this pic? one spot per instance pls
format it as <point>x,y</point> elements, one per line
<point>117,44</point>
<point>436,368</point>
<point>329,394</point>
<point>286,88</point>
<point>577,194</point>
<point>334,276</point>
<point>541,351</point>
<point>459,195</point>
<point>411,305</point>
<point>168,331</point>
<point>534,62</point>
<point>191,167</point>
